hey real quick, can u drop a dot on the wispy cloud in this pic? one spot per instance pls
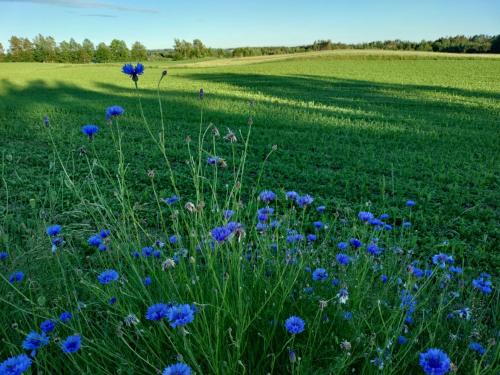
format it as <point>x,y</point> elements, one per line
<point>85,5</point>
<point>99,15</point>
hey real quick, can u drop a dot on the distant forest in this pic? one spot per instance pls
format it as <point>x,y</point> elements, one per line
<point>45,49</point>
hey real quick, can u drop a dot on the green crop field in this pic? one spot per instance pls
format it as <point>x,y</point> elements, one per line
<point>357,131</point>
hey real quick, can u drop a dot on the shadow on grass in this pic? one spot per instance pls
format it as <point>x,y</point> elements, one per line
<point>340,140</point>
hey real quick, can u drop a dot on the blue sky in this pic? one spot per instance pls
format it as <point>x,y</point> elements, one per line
<point>227,23</point>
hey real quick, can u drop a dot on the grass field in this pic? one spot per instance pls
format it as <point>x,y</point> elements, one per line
<point>349,131</point>
<point>358,131</point>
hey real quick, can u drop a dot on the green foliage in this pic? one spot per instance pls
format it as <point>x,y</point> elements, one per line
<point>119,50</point>
<point>102,53</point>
<point>357,134</point>
<point>138,52</point>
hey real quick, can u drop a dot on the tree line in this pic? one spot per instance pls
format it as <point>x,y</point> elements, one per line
<point>45,49</point>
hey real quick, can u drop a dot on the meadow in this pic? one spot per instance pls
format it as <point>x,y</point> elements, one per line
<point>398,151</point>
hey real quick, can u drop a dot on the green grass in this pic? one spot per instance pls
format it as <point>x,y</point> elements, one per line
<point>348,131</point>
<point>358,132</point>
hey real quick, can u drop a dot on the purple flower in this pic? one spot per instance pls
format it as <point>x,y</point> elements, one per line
<point>48,326</point>
<point>304,200</point>
<point>355,243</point>
<point>16,277</point>
<point>180,315</point>
<point>177,369</point>
<point>365,216</point>
<point>170,201</point>
<point>53,230</point>
<point>292,195</point>
<point>65,316</point>
<point>114,111</point>
<point>319,274</point>
<point>267,196</point>
<point>133,72</point>
<point>221,234</point>
<point>108,276</point>
<point>343,259</point>
<point>15,365</point>
<point>294,325</point>
<point>158,311</point>
<point>483,284</point>
<point>72,344</point>
<point>435,362</point>
<point>90,130</point>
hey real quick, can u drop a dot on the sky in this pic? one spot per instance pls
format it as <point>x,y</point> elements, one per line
<point>236,23</point>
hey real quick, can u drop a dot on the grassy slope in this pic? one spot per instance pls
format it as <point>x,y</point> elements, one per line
<point>350,129</point>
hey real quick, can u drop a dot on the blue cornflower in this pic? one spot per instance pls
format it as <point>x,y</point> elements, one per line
<point>158,311</point>
<point>342,245</point>
<point>132,71</point>
<point>180,315</point>
<point>157,253</point>
<point>260,227</point>
<point>48,326</point>
<point>212,160</point>
<point>347,315</point>
<point>376,222</point>
<point>406,224</point>
<point>102,247</point>
<point>292,195</point>
<point>94,240</point>
<point>104,233</point>
<point>318,224</point>
<point>477,347</point>
<point>455,269</point>
<point>365,216</point>
<point>147,281</point>
<point>319,274</point>
<point>173,199</point>
<point>233,226</point>
<point>90,130</point>
<point>355,243</point>
<point>435,362</point>
<point>410,203</point>
<point>483,284</point>
<point>65,316</point>
<point>72,344</point>
<point>442,259</point>
<point>16,277</point>
<point>304,200</point>
<point>265,211</point>
<point>112,301</point>
<point>267,196</point>
<point>343,259</point>
<point>262,217</point>
<point>294,237</point>
<point>220,234</point>
<point>136,254</point>
<point>383,278</point>
<point>114,111</point>
<point>311,237</point>
<point>108,276</point>
<point>418,272</point>
<point>374,249</point>
<point>15,365</point>
<point>228,214</point>
<point>387,226</point>
<point>294,325</point>
<point>147,251</point>
<point>53,230</point>
<point>35,341</point>
<point>384,217</point>
<point>3,255</point>
<point>321,209</point>
<point>173,239</point>
<point>177,369</point>
<point>402,340</point>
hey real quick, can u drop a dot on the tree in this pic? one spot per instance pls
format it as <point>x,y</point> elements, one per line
<point>138,52</point>
<point>87,52</point>
<point>2,52</point>
<point>102,53</point>
<point>119,50</point>
<point>44,48</point>
<point>20,49</point>
<point>495,44</point>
